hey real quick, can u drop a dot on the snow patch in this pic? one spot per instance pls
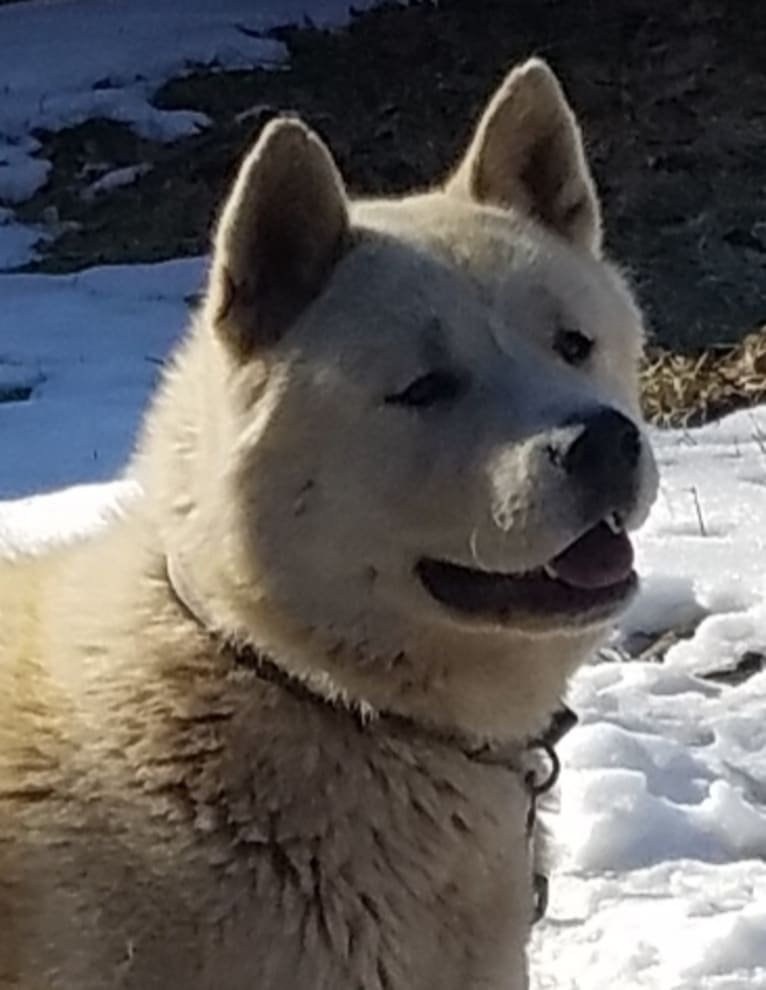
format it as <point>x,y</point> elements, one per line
<point>95,343</point>
<point>56,73</point>
<point>17,241</point>
<point>41,522</point>
<point>115,179</point>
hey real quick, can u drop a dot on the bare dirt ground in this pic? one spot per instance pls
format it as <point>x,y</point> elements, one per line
<point>672,98</point>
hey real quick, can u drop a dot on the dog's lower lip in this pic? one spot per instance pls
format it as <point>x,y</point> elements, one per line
<point>573,585</point>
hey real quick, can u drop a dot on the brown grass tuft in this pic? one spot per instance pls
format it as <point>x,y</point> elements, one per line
<point>684,390</point>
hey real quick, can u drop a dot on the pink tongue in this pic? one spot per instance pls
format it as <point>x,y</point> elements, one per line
<point>598,559</point>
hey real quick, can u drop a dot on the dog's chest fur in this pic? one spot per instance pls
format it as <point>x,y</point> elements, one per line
<point>241,837</point>
<point>374,859</point>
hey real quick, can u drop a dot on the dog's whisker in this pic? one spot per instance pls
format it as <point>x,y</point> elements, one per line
<point>473,545</point>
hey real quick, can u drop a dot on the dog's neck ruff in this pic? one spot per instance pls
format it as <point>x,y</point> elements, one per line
<point>535,762</point>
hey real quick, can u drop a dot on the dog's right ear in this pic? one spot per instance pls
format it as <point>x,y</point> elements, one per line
<point>282,230</point>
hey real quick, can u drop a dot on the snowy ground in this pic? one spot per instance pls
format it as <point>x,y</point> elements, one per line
<point>64,62</point>
<point>662,882</point>
<point>662,876</point>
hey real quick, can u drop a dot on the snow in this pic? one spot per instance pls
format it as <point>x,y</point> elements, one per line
<point>115,179</point>
<point>662,873</point>
<point>17,241</point>
<point>35,524</point>
<point>660,882</point>
<point>64,63</point>
<point>95,340</point>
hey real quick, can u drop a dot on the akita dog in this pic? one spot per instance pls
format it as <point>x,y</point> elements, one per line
<point>270,730</point>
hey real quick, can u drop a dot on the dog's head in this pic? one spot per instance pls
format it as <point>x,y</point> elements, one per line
<point>420,436</point>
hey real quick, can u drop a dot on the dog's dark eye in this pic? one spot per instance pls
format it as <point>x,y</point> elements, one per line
<point>573,346</point>
<point>428,390</point>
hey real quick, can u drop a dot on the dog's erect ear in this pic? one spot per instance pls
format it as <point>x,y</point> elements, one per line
<point>527,153</point>
<point>282,230</point>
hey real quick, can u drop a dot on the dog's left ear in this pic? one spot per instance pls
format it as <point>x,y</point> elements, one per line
<point>527,153</point>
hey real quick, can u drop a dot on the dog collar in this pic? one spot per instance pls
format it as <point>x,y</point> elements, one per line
<point>535,761</point>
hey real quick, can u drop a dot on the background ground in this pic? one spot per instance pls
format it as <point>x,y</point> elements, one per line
<point>672,97</point>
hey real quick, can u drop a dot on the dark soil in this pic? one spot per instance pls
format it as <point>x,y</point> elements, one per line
<point>672,98</point>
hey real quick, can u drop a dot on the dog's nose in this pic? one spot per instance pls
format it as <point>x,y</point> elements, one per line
<point>601,459</point>
<point>608,443</point>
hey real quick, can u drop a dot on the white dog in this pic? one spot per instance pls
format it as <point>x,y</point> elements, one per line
<point>268,730</point>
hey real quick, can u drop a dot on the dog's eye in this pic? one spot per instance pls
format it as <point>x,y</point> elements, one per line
<point>573,346</point>
<point>428,390</point>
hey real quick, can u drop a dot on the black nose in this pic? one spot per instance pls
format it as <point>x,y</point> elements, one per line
<point>606,450</point>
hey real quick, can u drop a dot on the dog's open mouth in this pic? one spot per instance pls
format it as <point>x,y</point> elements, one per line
<point>589,579</point>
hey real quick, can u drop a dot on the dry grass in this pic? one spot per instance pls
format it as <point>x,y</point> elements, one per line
<point>684,390</point>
